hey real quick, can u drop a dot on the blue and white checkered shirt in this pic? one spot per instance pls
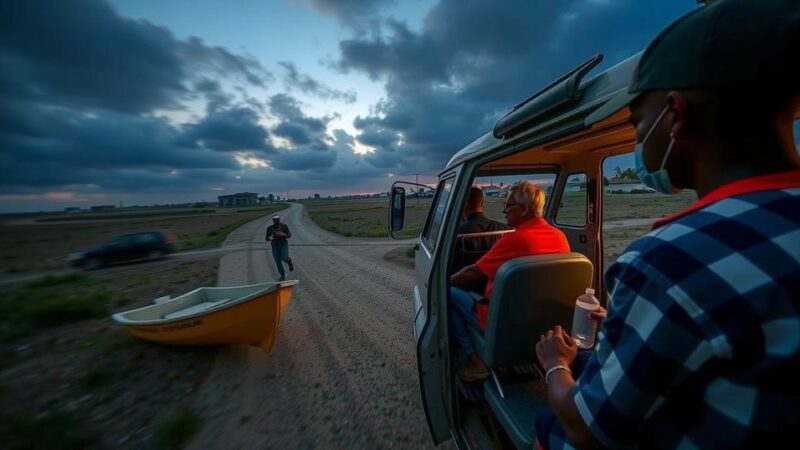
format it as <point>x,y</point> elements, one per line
<point>701,347</point>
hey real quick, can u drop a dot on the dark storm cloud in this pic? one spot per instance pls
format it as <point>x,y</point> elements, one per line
<point>79,87</point>
<point>308,85</point>
<point>97,150</point>
<point>234,129</point>
<point>216,98</point>
<point>472,60</point>
<point>80,53</point>
<point>308,146</point>
<point>354,13</point>
<point>299,129</point>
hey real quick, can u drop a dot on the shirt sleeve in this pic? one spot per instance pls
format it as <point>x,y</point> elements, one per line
<point>649,347</point>
<point>287,231</point>
<point>501,251</point>
<point>269,233</point>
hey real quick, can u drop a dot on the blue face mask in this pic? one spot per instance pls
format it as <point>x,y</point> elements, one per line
<point>658,180</point>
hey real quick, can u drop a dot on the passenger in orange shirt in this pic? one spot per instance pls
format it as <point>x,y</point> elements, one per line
<point>532,236</point>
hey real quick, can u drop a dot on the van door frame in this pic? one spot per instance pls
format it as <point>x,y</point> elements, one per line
<point>431,342</point>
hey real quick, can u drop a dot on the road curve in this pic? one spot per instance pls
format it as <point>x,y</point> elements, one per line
<point>343,371</point>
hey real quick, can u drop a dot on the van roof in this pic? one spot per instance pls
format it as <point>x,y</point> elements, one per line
<point>599,115</point>
<point>596,102</point>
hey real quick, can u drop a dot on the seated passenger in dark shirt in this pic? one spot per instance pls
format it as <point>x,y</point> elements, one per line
<point>470,249</point>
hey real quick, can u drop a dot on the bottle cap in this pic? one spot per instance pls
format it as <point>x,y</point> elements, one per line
<point>590,291</point>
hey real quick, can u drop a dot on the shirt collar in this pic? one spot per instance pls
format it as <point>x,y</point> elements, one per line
<point>530,223</point>
<point>777,181</point>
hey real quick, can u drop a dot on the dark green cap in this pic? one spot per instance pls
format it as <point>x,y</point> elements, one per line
<point>727,43</point>
<point>749,44</point>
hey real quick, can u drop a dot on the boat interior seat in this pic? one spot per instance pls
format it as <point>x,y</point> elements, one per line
<point>195,309</point>
<point>531,295</point>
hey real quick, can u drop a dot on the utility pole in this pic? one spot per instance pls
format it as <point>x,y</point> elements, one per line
<point>418,193</point>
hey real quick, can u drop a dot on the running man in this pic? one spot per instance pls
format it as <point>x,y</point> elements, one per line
<point>278,233</point>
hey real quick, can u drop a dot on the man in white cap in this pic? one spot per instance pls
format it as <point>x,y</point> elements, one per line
<point>278,233</point>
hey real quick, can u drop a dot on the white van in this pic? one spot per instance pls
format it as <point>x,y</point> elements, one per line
<point>566,138</point>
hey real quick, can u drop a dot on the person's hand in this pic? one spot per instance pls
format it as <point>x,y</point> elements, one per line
<point>556,347</point>
<point>598,315</point>
<point>279,234</point>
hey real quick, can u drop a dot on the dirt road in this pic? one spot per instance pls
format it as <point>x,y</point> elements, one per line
<point>343,370</point>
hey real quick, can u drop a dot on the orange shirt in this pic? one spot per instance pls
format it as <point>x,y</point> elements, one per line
<point>532,237</point>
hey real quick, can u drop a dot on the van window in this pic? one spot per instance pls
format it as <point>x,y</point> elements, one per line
<point>630,207</point>
<point>434,225</point>
<point>572,210</point>
<point>495,190</point>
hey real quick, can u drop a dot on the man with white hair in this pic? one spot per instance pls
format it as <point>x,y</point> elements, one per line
<point>278,233</point>
<point>532,236</point>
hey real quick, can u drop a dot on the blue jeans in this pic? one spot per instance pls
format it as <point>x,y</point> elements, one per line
<point>462,316</point>
<point>281,254</point>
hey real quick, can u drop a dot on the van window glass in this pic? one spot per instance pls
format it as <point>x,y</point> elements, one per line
<point>495,190</point>
<point>436,217</point>
<point>572,209</point>
<point>630,207</point>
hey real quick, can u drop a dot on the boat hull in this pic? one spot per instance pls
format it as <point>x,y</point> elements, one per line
<point>254,321</point>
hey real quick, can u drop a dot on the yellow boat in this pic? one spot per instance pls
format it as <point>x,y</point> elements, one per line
<point>213,315</point>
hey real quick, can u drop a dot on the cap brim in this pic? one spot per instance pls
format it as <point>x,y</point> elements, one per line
<point>620,100</point>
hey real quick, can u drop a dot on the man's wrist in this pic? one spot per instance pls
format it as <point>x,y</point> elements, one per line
<point>553,369</point>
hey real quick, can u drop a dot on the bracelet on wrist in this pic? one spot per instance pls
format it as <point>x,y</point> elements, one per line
<point>553,369</point>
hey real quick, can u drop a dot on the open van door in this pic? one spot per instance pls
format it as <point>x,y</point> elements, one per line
<point>428,289</point>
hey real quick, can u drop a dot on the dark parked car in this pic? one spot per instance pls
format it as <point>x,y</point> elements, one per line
<point>149,245</point>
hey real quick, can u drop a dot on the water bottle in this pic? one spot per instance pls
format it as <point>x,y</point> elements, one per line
<point>583,326</point>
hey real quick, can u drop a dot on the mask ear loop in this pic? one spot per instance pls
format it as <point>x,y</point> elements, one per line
<point>669,150</point>
<point>653,126</point>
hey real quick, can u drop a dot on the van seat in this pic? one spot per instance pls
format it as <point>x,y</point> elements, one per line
<point>531,295</point>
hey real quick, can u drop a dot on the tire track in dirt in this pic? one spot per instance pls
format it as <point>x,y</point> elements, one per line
<point>343,370</point>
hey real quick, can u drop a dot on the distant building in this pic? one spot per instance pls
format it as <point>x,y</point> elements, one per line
<point>316,196</point>
<point>239,199</point>
<point>72,209</point>
<point>99,208</point>
<point>271,198</point>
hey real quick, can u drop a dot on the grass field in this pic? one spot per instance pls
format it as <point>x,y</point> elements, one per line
<point>369,217</point>
<point>365,218</point>
<point>31,244</point>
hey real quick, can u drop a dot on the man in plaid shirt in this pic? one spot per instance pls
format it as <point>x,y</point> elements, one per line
<point>701,347</point>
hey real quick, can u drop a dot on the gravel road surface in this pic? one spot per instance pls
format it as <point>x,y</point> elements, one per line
<point>343,371</point>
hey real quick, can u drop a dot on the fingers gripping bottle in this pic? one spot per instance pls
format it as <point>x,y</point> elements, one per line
<point>583,326</point>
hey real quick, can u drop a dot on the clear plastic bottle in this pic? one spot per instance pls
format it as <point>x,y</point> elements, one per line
<point>583,326</point>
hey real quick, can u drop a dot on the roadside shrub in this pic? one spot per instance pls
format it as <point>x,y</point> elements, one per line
<point>175,431</point>
<point>54,431</point>
<point>54,280</point>
<point>40,307</point>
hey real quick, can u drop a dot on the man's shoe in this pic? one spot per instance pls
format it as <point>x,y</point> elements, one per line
<point>282,279</point>
<point>468,373</point>
<point>291,265</point>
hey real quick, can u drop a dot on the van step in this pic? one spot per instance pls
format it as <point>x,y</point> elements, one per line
<point>472,391</point>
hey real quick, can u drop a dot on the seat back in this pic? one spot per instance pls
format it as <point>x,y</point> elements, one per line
<point>532,295</point>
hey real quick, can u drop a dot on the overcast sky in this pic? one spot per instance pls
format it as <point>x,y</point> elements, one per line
<point>153,101</point>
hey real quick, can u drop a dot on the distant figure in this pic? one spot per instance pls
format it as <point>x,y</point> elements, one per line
<point>532,236</point>
<point>701,346</point>
<point>279,234</point>
<point>470,249</point>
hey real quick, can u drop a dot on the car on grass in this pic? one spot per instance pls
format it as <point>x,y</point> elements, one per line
<point>142,246</point>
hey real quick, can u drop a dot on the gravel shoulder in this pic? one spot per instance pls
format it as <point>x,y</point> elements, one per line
<point>343,371</point>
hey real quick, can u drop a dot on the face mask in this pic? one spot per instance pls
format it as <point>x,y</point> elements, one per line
<point>658,180</point>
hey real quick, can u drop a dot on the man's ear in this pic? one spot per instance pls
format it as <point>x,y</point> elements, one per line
<point>678,114</point>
